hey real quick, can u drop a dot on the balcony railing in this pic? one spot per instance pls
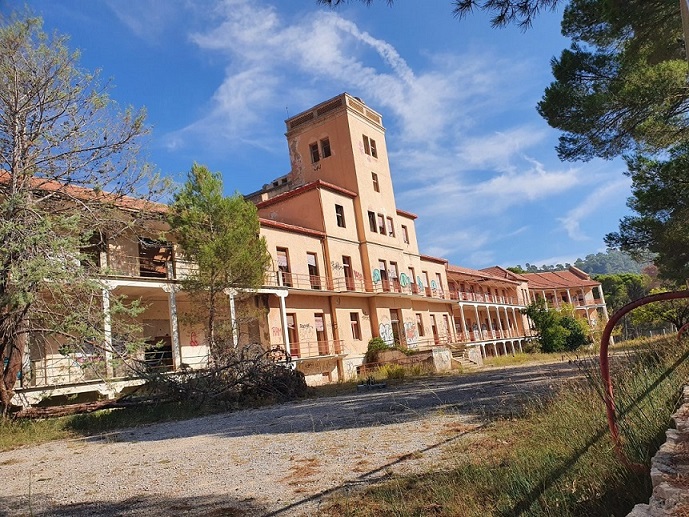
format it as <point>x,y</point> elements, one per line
<point>311,349</point>
<point>483,298</point>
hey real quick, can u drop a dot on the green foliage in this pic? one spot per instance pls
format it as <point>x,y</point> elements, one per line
<point>219,235</point>
<point>555,459</point>
<point>559,330</point>
<point>658,314</point>
<point>660,190</point>
<point>375,345</point>
<point>62,140</point>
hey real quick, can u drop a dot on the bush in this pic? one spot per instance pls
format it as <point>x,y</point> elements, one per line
<point>375,345</point>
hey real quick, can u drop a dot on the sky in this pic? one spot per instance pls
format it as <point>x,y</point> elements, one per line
<point>469,153</point>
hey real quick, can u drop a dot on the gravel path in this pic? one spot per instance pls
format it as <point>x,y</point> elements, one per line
<point>281,460</point>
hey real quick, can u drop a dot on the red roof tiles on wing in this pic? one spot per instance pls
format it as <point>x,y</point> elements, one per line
<point>559,279</point>
<point>290,228</point>
<point>305,188</point>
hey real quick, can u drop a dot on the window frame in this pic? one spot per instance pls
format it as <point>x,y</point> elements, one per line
<point>381,224</point>
<point>340,216</point>
<point>374,179</point>
<point>326,150</point>
<point>405,234</point>
<point>391,226</point>
<point>355,325</point>
<point>314,152</point>
<point>372,223</point>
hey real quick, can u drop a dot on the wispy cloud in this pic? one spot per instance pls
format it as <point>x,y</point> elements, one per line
<point>590,205</point>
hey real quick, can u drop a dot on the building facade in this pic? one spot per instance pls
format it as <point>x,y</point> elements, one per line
<point>346,267</point>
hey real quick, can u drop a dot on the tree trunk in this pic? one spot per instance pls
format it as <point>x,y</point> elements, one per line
<point>13,339</point>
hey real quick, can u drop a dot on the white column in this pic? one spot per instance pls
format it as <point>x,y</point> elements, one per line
<point>478,322</point>
<point>283,318</point>
<point>464,323</point>
<point>233,319</point>
<point>107,334</point>
<point>569,297</point>
<point>483,349</point>
<point>500,330</point>
<point>171,291</point>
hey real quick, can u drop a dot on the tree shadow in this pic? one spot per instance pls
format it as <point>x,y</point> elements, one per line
<point>153,506</point>
<point>477,397</point>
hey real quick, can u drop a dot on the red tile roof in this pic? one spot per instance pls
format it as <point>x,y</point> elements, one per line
<point>404,213</point>
<point>559,279</point>
<point>437,260</point>
<point>89,194</point>
<point>290,228</point>
<point>479,274</point>
<point>305,188</point>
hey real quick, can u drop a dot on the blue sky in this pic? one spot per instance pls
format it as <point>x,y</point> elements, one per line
<point>469,153</point>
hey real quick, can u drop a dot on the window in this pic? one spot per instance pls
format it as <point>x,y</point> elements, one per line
<point>349,276</point>
<point>383,269</point>
<point>339,214</point>
<point>154,257</point>
<point>356,328</point>
<point>293,334</point>
<point>283,267</point>
<point>370,146</point>
<point>321,335</point>
<point>394,275</point>
<point>376,186</point>
<point>439,281</point>
<point>391,227</point>
<point>381,224</point>
<point>314,279</point>
<point>446,321</point>
<point>405,234</point>
<point>325,148</point>
<point>372,222</point>
<point>313,150</point>
<point>412,279</point>
<point>419,325</point>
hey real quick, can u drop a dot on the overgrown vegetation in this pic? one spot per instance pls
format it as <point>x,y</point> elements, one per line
<point>560,329</point>
<point>555,460</point>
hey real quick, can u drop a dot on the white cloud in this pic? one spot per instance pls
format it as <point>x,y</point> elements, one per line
<point>590,205</point>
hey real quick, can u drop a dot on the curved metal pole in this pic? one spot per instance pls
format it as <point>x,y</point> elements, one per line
<point>605,367</point>
<point>681,331</point>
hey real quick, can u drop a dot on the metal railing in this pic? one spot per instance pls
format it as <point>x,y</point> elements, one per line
<point>311,349</point>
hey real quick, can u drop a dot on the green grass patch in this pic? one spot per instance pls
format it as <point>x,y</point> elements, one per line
<point>524,358</point>
<point>556,459</point>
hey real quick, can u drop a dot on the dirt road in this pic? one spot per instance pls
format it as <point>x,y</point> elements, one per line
<point>281,460</point>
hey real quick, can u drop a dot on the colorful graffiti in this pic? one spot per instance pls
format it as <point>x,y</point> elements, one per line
<point>411,334</point>
<point>419,282</point>
<point>193,340</point>
<point>386,334</point>
<point>375,276</point>
<point>404,280</point>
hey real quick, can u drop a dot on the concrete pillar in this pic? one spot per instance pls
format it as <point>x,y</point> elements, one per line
<point>464,323</point>
<point>283,319</point>
<point>107,334</point>
<point>171,291</point>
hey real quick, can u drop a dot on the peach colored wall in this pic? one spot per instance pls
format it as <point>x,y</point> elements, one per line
<point>335,129</point>
<point>412,246</point>
<point>329,199</point>
<point>298,245</point>
<point>305,211</point>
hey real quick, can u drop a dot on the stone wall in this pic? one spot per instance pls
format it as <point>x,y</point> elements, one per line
<point>670,470</point>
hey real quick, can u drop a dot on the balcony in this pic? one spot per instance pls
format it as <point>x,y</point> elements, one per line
<point>296,281</point>
<point>483,298</point>
<point>313,349</point>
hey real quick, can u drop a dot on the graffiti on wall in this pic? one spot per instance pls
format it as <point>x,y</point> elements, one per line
<point>357,275</point>
<point>411,333</point>
<point>375,276</point>
<point>305,332</point>
<point>404,280</point>
<point>434,286</point>
<point>386,334</point>
<point>419,282</point>
<point>193,340</point>
<point>336,266</point>
<point>277,332</point>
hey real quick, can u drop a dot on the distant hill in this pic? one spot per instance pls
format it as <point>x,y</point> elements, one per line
<point>610,262</point>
